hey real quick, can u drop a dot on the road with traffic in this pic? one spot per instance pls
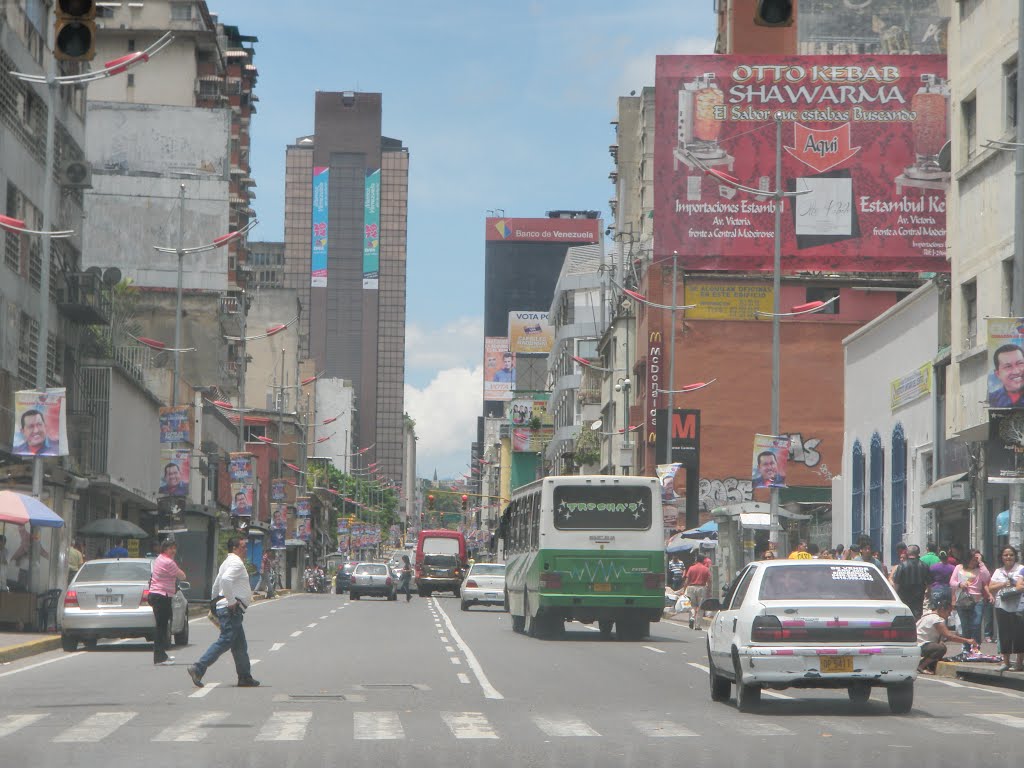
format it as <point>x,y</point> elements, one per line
<point>424,684</point>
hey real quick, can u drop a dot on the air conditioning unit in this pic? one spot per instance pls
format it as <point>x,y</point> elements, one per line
<point>76,174</point>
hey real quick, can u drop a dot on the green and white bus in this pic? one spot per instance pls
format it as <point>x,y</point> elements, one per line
<point>585,548</point>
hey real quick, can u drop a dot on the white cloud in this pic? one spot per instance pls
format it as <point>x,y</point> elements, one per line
<point>460,343</point>
<point>445,412</point>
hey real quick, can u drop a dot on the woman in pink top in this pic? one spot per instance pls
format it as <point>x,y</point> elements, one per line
<point>162,585</point>
<point>968,584</point>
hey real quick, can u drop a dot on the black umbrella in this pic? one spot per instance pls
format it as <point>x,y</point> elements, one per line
<point>112,527</point>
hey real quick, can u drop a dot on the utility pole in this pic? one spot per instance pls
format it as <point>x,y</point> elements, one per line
<point>776,290</point>
<point>1016,531</point>
<point>177,311</point>
<point>244,309</point>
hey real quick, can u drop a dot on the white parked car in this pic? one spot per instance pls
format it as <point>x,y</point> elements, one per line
<point>812,624</point>
<point>485,583</point>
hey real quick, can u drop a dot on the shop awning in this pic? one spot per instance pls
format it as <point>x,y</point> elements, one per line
<point>952,489</point>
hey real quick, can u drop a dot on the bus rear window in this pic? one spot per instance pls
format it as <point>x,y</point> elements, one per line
<point>602,508</point>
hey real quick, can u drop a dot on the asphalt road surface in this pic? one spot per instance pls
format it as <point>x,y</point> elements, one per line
<point>423,684</point>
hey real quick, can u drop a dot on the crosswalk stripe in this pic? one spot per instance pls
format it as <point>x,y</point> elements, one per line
<point>285,726</point>
<point>13,723</point>
<point>310,626</point>
<point>95,727</point>
<point>203,691</point>
<point>564,727</point>
<point>377,725</point>
<point>755,728</point>
<point>191,728</point>
<point>296,633</point>
<point>943,726</point>
<point>850,727</point>
<point>660,729</point>
<point>277,646</point>
<point>468,725</point>
<point>1009,720</point>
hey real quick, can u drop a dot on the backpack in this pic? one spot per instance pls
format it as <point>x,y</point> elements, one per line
<point>912,574</point>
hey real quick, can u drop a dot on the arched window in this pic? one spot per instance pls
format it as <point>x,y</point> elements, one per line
<point>876,495</point>
<point>857,498</point>
<point>898,512</point>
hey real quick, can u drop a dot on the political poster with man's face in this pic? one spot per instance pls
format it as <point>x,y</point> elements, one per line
<point>1005,362</point>
<point>771,454</point>
<point>176,471</point>
<point>40,423</point>
<point>242,499</point>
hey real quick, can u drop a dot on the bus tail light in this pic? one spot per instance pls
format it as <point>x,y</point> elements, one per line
<point>654,581</point>
<point>551,580</point>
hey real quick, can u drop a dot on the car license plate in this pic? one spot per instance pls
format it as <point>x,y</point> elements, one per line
<point>491,596</point>
<point>836,663</point>
<point>109,601</point>
<point>602,587</point>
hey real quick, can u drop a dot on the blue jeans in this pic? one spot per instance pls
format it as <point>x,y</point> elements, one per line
<point>232,638</point>
<point>970,622</point>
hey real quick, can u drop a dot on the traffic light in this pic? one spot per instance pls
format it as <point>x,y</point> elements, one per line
<point>465,503</point>
<point>74,30</point>
<point>774,13</point>
<point>430,502</point>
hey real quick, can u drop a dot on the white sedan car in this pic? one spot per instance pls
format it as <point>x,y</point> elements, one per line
<point>485,583</point>
<point>812,624</point>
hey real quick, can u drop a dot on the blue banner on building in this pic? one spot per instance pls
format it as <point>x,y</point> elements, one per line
<point>371,231</point>
<point>319,238</point>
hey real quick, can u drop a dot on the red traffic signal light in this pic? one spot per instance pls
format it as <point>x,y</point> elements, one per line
<point>465,502</point>
<point>430,501</point>
<point>74,30</point>
<point>774,13</point>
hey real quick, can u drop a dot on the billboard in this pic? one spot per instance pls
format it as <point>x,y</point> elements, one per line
<point>318,255</point>
<point>40,423</point>
<point>530,333</point>
<point>771,454</point>
<point>499,369</point>
<point>862,137</point>
<point>1004,452</point>
<point>176,424</point>
<point>913,386</point>
<point>1006,362</point>
<point>371,231</point>
<point>176,472</point>
<point>685,436</point>
<point>726,301</point>
<point>569,231</point>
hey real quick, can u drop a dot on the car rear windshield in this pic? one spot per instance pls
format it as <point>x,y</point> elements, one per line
<point>441,561</point>
<point>846,581</point>
<point>377,568</point>
<point>488,570</point>
<point>106,572</point>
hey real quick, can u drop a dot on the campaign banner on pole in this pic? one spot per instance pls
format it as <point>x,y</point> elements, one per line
<point>170,512</point>
<point>40,423</point>
<point>667,476</point>
<point>304,528</point>
<point>862,137</point>
<point>240,467</point>
<point>1004,452</point>
<point>771,455</point>
<point>318,255</point>
<point>302,506</point>
<point>242,496</point>
<point>277,489</point>
<point>176,472</point>
<point>499,369</point>
<point>530,333</point>
<point>176,424</point>
<point>1005,362</point>
<point>371,231</point>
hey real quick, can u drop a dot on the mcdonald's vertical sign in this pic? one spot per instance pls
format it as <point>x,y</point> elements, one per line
<point>683,429</point>
<point>655,355</point>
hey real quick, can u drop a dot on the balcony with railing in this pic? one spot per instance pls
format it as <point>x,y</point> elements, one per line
<point>589,392</point>
<point>85,299</point>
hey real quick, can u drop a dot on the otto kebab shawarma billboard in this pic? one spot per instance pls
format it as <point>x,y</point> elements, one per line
<point>862,135</point>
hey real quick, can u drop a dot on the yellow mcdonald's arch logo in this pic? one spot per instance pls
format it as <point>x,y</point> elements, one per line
<point>651,436</point>
<point>654,336</point>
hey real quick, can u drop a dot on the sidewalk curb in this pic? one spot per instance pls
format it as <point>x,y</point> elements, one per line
<point>13,652</point>
<point>977,673</point>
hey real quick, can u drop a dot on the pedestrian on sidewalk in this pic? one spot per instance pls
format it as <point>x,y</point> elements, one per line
<point>676,570</point>
<point>163,583</point>
<point>1005,588</point>
<point>75,559</point>
<point>969,581</point>
<point>932,630</point>
<point>235,596</point>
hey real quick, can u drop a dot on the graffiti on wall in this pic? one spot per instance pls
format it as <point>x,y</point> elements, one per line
<point>804,451</point>
<point>729,490</point>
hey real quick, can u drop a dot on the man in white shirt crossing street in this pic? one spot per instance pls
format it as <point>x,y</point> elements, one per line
<point>235,592</point>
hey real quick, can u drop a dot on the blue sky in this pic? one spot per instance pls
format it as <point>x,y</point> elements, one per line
<point>502,105</point>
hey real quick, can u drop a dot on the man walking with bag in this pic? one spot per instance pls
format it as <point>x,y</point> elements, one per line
<point>235,595</point>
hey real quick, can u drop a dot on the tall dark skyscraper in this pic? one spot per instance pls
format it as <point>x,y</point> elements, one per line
<point>346,203</point>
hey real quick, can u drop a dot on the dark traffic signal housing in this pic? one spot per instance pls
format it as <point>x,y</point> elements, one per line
<point>774,13</point>
<point>74,30</point>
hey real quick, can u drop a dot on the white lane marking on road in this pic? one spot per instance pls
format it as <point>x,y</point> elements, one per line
<point>1009,720</point>
<point>456,660</point>
<point>445,639</point>
<point>590,628</point>
<point>701,667</point>
<point>979,688</point>
<point>652,648</point>
<point>377,725</point>
<point>296,633</point>
<point>285,726</point>
<point>13,723</point>
<point>334,610</point>
<point>562,727</point>
<point>490,692</point>
<point>950,683</point>
<point>95,727</point>
<point>775,694</point>
<point>756,728</point>
<point>324,617</point>
<point>310,626</point>
<point>277,646</point>
<point>946,726</point>
<point>192,728</point>
<point>42,663</point>
<point>253,662</point>
<point>463,678</point>
<point>850,727</point>
<point>662,729</point>
<point>449,649</point>
<point>468,725</point>
<point>203,691</point>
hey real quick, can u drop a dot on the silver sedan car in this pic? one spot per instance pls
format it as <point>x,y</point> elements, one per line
<point>110,598</point>
<point>485,583</point>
